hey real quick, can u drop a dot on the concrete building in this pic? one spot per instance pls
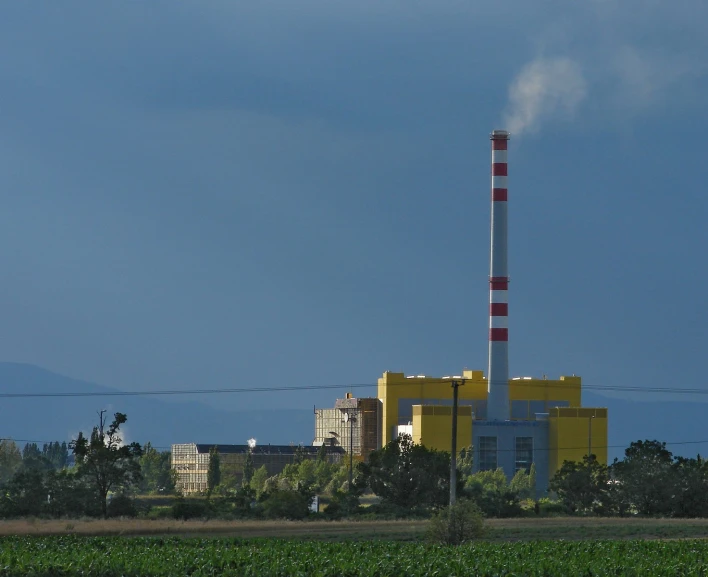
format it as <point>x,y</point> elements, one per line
<point>353,424</point>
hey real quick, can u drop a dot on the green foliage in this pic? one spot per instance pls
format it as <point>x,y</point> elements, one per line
<point>214,470</point>
<point>56,453</point>
<point>583,487</point>
<point>456,524</point>
<point>493,495</point>
<point>322,454</point>
<point>524,484</point>
<point>465,461</point>
<point>343,504</point>
<point>690,494</point>
<point>190,509</point>
<point>248,470</point>
<point>645,477</point>
<point>408,475</point>
<point>74,555</point>
<point>122,505</point>
<point>25,494</point>
<point>31,450</point>
<point>10,459</point>
<point>106,462</point>
<point>299,455</point>
<point>285,504</point>
<point>158,477</point>
<point>258,480</point>
<point>71,495</point>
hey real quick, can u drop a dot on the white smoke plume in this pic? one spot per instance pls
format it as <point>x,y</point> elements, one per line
<point>544,88</point>
<point>251,443</point>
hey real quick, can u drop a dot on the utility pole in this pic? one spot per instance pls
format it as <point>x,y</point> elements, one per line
<point>590,435</point>
<point>348,418</point>
<point>453,452</point>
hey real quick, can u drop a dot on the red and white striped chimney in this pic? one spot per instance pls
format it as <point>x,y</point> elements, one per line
<point>498,373</point>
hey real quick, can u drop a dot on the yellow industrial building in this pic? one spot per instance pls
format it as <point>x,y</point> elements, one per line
<point>547,423</point>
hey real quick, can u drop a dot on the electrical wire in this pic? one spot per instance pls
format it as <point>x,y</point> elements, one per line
<point>594,447</point>
<point>411,381</point>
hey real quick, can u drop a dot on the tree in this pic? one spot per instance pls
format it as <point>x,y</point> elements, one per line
<point>524,484</point>
<point>32,459</point>
<point>408,475</point>
<point>492,493</point>
<point>299,455</point>
<point>690,498</point>
<point>10,459</point>
<point>322,454</point>
<point>30,451</point>
<point>25,494</point>
<point>258,480</point>
<point>157,473</point>
<point>106,461</point>
<point>582,487</point>
<point>465,462</point>
<point>57,454</point>
<point>248,469</point>
<point>645,477</point>
<point>214,470</point>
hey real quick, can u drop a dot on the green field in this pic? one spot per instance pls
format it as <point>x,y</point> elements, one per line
<point>140,556</point>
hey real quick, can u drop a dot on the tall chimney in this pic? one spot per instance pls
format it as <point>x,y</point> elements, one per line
<point>498,374</point>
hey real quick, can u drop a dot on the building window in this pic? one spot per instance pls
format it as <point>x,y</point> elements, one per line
<point>524,454</point>
<point>487,453</point>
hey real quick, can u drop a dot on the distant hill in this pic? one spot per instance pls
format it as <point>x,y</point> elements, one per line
<point>668,420</point>
<point>163,423</point>
<point>149,418</point>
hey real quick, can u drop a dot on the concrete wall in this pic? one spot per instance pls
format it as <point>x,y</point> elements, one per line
<point>506,433</point>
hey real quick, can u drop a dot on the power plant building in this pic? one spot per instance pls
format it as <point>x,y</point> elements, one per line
<point>511,423</point>
<point>546,423</point>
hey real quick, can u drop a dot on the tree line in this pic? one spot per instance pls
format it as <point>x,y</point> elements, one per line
<point>99,475</point>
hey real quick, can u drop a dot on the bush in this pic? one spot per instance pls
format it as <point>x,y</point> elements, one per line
<point>159,512</point>
<point>457,524</point>
<point>285,505</point>
<point>548,508</point>
<point>342,505</point>
<point>189,509</point>
<point>122,505</point>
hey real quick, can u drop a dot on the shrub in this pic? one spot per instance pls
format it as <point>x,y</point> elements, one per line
<point>547,507</point>
<point>285,505</point>
<point>122,505</point>
<point>342,505</point>
<point>159,512</point>
<point>184,509</point>
<point>457,524</point>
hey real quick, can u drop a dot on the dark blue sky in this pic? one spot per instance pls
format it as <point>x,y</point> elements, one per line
<point>230,194</point>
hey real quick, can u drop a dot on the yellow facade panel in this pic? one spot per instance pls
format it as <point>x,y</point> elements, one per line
<point>575,431</point>
<point>431,426</point>
<point>393,388</point>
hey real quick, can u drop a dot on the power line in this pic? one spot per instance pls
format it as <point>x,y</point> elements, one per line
<point>672,443</point>
<point>548,384</point>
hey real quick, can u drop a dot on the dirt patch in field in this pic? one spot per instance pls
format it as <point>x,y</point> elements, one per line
<point>569,528</point>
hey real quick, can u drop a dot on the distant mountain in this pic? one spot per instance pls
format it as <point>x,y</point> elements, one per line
<point>166,422</point>
<point>149,418</point>
<point>667,420</point>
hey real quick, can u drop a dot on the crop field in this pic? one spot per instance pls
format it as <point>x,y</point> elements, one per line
<point>142,556</point>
